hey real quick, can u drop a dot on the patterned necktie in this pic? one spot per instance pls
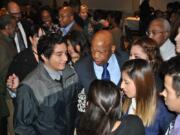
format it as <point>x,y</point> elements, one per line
<point>105,74</point>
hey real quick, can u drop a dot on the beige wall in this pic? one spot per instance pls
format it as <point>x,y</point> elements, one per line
<point>128,6</point>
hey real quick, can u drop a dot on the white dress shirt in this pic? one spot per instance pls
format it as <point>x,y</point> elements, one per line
<point>167,50</point>
<point>66,29</point>
<point>19,25</point>
<point>113,68</point>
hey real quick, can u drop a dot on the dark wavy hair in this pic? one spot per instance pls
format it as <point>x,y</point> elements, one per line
<point>103,109</point>
<point>46,44</point>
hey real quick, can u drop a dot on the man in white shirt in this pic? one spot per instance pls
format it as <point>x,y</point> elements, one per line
<point>159,30</point>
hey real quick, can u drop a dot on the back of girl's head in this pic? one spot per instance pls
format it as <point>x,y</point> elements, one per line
<point>143,77</point>
<point>150,47</point>
<point>104,95</point>
<point>103,108</point>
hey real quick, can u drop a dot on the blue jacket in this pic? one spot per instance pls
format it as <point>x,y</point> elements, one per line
<point>162,119</point>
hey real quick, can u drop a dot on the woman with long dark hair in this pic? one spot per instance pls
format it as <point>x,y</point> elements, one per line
<point>103,116</point>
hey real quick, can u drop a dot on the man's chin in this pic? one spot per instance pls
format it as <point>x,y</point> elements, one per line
<point>62,67</point>
<point>98,63</point>
<point>62,25</point>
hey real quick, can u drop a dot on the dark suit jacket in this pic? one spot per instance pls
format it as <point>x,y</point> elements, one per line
<point>23,64</point>
<point>85,70</point>
<point>75,27</point>
<point>7,52</point>
<point>27,26</point>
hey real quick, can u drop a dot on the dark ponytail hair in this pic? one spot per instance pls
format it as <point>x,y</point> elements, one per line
<point>103,109</point>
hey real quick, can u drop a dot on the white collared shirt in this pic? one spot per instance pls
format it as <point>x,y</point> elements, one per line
<point>23,36</point>
<point>113,68</point>
<point>55,75</point>
<point>66,29</point>
<point>167,50</point>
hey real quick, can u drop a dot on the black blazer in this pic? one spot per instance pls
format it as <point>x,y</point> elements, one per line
<point>27,26</point>
<point>23,63</point>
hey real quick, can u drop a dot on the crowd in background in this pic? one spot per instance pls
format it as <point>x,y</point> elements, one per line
<point>72,70</point>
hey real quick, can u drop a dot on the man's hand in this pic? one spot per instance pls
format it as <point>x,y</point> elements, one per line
<point>12,82</point>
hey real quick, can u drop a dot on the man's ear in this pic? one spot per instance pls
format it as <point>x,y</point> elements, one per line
<point>167,34</point>
<point>43,58</point>
<point>113,48</point>
<point>72,17</point>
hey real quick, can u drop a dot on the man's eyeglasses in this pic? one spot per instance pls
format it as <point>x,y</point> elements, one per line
<point>154,32</point>
<point>16,13</point>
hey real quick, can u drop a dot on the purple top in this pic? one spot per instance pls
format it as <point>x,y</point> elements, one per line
<point>176,130</point>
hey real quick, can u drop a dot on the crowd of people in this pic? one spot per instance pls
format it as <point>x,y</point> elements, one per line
<point>66,71</point>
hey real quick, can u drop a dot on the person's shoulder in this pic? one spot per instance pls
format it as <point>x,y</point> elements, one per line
<point>161,105</point>
<point>132,125</point>
<point>177,126</point>
<point>163,112</point>
<point>23,90</point>
<point>84,60</point>
<point>77,27</point>
<point>2,45</point>
<point>121,53</point>
<point>69,70</point>
<point>132,120</point>
<point>23,54</point>
<point>121,56</point>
